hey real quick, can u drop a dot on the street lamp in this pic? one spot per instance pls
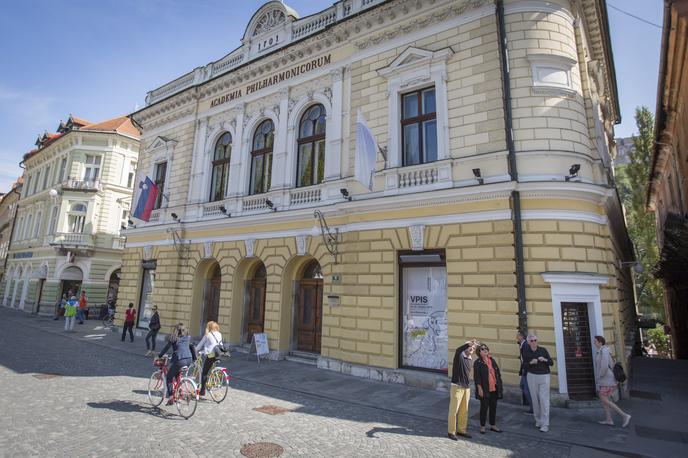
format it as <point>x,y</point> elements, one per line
<point>330,238</point>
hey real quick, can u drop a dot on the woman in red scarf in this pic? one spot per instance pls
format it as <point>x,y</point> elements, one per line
<point>488,387</point>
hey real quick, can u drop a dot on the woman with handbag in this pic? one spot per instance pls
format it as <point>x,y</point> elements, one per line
<point>488,387</point>
<point>209,347</point>
<point>606,383</point>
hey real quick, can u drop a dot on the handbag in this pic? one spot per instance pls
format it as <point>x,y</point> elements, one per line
<point>618,371</point>
<point>219,348</point>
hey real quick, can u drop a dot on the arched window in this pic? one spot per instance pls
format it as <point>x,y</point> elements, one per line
<point>311,146</point>
<point>220,175</point>
<point>261,157</point>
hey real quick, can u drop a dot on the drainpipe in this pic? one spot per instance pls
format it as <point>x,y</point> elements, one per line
<point>515,200</point>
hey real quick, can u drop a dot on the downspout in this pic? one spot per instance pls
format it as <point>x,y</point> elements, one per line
<point>515,200</point>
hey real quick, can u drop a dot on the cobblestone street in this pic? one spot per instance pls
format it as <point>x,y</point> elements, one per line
<point>97,405</point>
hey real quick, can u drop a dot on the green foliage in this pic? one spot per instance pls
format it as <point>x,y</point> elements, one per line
<point>659,339</point>
<point>632,180</point>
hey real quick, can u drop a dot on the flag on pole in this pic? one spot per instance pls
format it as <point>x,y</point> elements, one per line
<point>147,198</point>
<point>366,149</point>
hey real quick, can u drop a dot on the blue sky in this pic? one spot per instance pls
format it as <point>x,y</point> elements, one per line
<point>97,59</point>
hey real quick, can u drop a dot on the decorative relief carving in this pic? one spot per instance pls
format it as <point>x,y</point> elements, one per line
<point>250,244</point>
<point>301,245</point>
<point>268,21</point>
<point>416,235</point>
<point>208,249</point>
<point>328,93</point>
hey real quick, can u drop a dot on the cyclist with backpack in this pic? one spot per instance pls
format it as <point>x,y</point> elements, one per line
<point>606,383</point>
<point>183,354</point>
<point>206,348</point>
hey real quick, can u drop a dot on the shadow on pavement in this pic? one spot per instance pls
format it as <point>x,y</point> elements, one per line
<point>133,407</point>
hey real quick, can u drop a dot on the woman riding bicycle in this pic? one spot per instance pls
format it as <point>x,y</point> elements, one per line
<point>183,353</point>
<point>206,347</point>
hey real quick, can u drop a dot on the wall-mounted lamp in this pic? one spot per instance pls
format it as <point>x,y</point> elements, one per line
<point>131,223</point>
<point>223,209</point>
<point>478,176</point>
<point>174,216</point>
<point>573,172</point>
<point>345,194</point>
<point>330,238</point>
<point>270,205</point>
<point>54,193</point>
<point>637,267</point>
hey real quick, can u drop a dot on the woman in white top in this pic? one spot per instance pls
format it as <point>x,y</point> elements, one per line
<point>210,340</point>
<point>606,383</point>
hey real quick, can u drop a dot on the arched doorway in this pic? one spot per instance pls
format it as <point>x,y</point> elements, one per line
<point>308,316</point>
<point>113,286</point>
<point>255,303</point>
<point>211,296</point>
<point>70,283</point>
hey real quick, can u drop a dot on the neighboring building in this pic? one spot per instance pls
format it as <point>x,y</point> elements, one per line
<point>467,231</point>
<point>8,210</point>
<point>73,204</point>
<point>668,188</point>
<point>624,148</point>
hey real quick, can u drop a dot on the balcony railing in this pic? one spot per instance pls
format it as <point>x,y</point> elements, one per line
<point>81,185</point>
<point>118,243</point>
<point>69,239</point>
<point>434,175</point>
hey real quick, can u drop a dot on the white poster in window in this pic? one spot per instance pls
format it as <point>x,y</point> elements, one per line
<point>425,336</point>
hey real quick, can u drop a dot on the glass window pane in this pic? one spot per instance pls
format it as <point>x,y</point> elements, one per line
<point>268,172</point>
<point>411,145</point>
<point>257,175</point>
<point>258,141</point>
<point>306,128</point>
<point>320,159</point>
<point>410,106</point>
<point>305,172</point>
<point>429,101</point>
<point>215,184</point>
<point>430,141</point>
<point>320,125</point>
<point>269,139</point>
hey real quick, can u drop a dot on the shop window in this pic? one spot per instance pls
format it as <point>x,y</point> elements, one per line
<point>424,339</point>
<point>220,172</point>
<point>311,147</point>
<point>419,127</point>
<point>261,158</point>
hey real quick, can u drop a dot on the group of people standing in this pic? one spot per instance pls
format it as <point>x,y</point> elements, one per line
<point>72,309</point>
<point>535,384</point>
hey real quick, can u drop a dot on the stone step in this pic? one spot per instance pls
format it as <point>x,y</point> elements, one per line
<point>304,358</point>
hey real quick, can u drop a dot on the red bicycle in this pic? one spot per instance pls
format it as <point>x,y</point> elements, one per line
<point>184,391</point>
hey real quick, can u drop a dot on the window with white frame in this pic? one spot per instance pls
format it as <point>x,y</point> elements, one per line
<point>92,170</point>
<point>132,175</point>
<point>77,218</point>
<point>310,168</point>
<point>27,228</point>
<point>419,127</point>
<point>261,157</point>
<point>36,182</point>
<point>37,229</point>
<point>53,220</point>
<point>18,228</point>
<point>220,167</point>
<point>63,169</point>
<point>160,177</point>
<point>551,73</point>
<point>46,178</point>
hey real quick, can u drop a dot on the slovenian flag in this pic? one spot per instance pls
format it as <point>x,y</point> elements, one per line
<point>147,197</point>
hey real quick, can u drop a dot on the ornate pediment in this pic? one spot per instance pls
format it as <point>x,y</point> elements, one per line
<point>270,17</point>
<point>415,57</point>
<point>162,143</point>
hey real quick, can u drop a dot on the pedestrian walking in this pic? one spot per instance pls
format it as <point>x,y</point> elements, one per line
<point>525,392</point>
<point>606,383</point>
<point>129,319</point>
<point>460,390</point>
<point>536,362</point>
<point>154,328</point>
<point>206,347</point>
<point>183,353</point>
<point>82,314</point>
<point>488,387</point>
<point>59,307</point>
<point>70,313</point>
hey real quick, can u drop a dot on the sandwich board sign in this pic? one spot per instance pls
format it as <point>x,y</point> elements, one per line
<point>259,345</point>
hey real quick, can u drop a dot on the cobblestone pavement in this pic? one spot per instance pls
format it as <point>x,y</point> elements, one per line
<point>96,404</point>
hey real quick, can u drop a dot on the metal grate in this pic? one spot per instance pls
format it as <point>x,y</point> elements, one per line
<point>578,350</point>
<point>262,450</point>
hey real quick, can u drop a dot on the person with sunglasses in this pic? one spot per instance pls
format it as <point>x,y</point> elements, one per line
<point>536,363</point>
<point>488,387</point>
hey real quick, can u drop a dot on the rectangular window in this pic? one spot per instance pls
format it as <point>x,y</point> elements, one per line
<point>146,298</point>
<point>36,182</point>
<point>419,127</point>
<point>63,169</point>
<point>132,174</point>
<point>53,220</point>
<point>424,339</point>
<point>92,171</point>
<point>46,178</point>
<point>160,172</point>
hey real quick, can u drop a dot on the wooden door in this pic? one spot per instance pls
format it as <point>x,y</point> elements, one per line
<point>309,316</point>
<point>255,316</point>
<point>580,375</point>
<point>212,296</point>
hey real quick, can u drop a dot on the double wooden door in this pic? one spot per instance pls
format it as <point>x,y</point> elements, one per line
<point>212,297</point>
<point>309,315</point>
<point>255,316</point>
<point>580,375</point>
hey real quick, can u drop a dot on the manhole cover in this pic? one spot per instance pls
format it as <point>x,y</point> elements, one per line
<point>272,410</point>
<point>262,450</point>
<point>45,376</point>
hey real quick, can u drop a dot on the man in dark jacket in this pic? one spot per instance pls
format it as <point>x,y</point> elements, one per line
<point>154,327</point>
<point>536,361</point>
<point>525,392</point>
<point>460,390</point>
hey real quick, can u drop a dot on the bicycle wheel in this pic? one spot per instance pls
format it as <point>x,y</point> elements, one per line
<point>217,385</point>
<point>156,388</point>
<point>186,398</point>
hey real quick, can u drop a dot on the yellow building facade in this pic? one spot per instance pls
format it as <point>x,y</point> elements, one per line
<point>491,207</point>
